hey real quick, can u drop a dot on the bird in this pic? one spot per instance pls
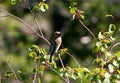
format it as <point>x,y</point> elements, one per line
<point>55,44</point>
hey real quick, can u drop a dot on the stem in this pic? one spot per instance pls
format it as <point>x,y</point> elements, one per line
<point>35,80</point>
<point>11,69</point>
<point>61,61</point>
<point>73,58</point>
<point>67,79</point>
<point>87,29</point>
<point>114,45</point>
<point>89,32</point>
<point>36,21</point>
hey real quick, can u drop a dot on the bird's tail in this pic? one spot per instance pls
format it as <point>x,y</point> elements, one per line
<point>50,58</point>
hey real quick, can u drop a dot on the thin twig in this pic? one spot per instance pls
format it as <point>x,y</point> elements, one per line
<point>39,27</point>
<point>73,58</point>
<point>61,61</point>
<point>110,59</point>
<point>67,79</point>
<point>11,68</point>
<point>114,45</point>
<point>35,80</point>
<point>28,26</point>
<point>87,29</point>
<point>90,33</point>
<point>36,21</point>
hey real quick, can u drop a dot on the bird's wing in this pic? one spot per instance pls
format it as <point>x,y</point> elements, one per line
<point>52,47</point>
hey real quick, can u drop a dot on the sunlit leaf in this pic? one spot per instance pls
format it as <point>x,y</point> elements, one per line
<point>73,10</point>
<point>39,81</point>
<point>112,38</point>
<point>82,16</point>
<point>112,28</point>
<point>118,71</point>
<point>100,36</point>
<point>98,44</point>
<point>41,69</point>
<point>108,53</point>
<point>111,68</point>
<point>109,15</point>
<point>8,74</point>
<point>42,6</point>
<point>46,6</point>
<point>54,65</point>
<point>115,63</point>
<point>13,2</point>
<point>33,54</point>
<point>86,70</point>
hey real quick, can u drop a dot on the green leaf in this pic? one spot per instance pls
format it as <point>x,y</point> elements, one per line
<point>8,74</point>
<point>82,12</point>
<point>42,6</point>
<point>46,6</point>
<point>73,10</point>
<point>82,16</point>
<point>39,81</point>
<point>41,69</point>
<point>109,15</point>
<point>112,28</point>
<point>21,75</point>
<point>33,54</point>
<point>54,65</point>
<point>13,2</point>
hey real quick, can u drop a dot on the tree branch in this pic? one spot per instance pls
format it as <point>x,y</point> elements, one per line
<point>114,45</point>
<point>28,26</point>
<point>73,58</point>
<point>11,68</point>
<point>67,79</point>
<point>87,29</point>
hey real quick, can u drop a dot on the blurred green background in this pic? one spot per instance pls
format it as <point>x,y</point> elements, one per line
<point>14,44</point>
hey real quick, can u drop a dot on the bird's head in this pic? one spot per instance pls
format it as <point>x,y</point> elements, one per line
<point>57,33</point>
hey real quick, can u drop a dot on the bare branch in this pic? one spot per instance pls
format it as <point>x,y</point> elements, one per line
<point>28,26</point>
<point>87,29</point>
<point>67,79</point>
<point>113,46</point>
<point>73,58</point>
<point>36,21</point>
<point>35,80</point>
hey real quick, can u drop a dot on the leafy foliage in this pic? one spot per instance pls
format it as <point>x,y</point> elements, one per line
<point>107,63</point>
<point>41,6</point>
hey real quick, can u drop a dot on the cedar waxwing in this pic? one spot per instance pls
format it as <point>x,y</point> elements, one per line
<point>55,44</point>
